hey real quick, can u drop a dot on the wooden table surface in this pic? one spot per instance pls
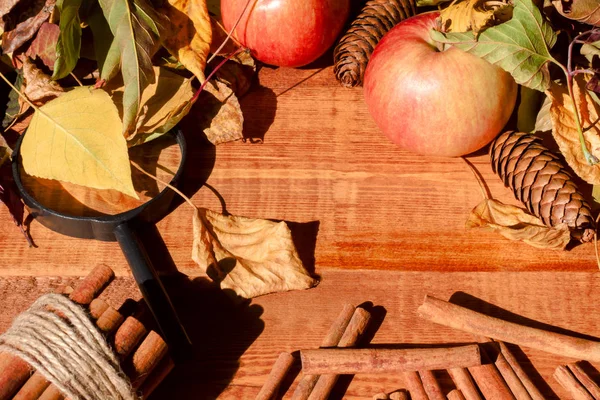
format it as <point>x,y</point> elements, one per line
<point>376,223</point>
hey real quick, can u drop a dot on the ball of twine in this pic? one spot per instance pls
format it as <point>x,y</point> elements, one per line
<point>57,338</point>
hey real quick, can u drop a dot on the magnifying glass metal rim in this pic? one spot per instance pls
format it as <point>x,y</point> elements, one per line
<point>118,228</point>
<point>65,223</point>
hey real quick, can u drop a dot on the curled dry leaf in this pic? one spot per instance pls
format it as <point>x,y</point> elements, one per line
<point>44,44</point>
<point>586,11</point>
<point>252,257</point>
<point>238,72</point>
<point>222,119</point>
<point>77,138</point>
<point>164,103</point>
<point>474,15</point>
<point>190,35</point>
<point>5,151</point>
<point>565,131</point>
<point>24,21</point>
<point>38,87</point>
<point>514,223</point>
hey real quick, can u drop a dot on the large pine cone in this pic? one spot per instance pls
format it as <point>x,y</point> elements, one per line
<point>354,50</point>
<point>542,183</point>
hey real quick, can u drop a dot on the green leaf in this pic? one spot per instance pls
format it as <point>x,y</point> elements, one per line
<point>103,39</point>
<point>428,3</point>
<point>520,46</point>
<point>69,40</point>
<point>136,43</point>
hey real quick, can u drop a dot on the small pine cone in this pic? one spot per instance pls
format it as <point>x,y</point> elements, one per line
<point>352,53</point>
<point>542,183</point>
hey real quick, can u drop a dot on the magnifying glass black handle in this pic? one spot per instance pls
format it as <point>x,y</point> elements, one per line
<point>154,293</point>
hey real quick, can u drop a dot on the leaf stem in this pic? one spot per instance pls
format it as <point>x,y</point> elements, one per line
<point>230,32</point>
<point>214,71</point>
<point>173,188</point>
<point>18,92</point>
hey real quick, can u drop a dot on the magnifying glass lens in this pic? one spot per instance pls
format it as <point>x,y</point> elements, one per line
<point>161,158</point>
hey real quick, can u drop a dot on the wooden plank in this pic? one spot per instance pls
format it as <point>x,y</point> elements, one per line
<point>237,345</point>
<point>323,161</point>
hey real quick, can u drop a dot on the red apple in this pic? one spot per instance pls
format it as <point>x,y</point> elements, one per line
<point>286,33</point>
<point>433,102</point>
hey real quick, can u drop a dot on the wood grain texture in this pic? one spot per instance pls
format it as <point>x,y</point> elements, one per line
<point>236,346</point>
<point>322,160</point>
<point>377,223</point>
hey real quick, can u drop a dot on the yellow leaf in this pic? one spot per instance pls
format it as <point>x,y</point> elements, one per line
<point>191,33</point>
<point>565,132</point>
<point>515,224</point>
<point>252,257</point>
<point>163,104</point>
<point>474,15</point>
<point>78,138</point>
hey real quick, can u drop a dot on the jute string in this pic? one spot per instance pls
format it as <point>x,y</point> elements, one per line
<point>68,350</point>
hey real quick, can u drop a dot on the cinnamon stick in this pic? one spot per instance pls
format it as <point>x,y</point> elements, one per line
<point>157,376</point>
<point>527,382</point>
<point>14,372</point>
<point>92,284</point>
<point>568,381</point>
<point>512,380</point>
<point>579,373</point>
<point>431,385</point>
<point>109,321</point>
<point>336,331</point>
<point>415,385</point>
<point>51,393</point>
<point>146,357</point>
<point>491,383</point>
<point>456,395</point>
<point>399,395</point>
<point>461,318</point>
<point>359,361</point>
<point>130,334</point>
<point>280,369</point>
<point>464,382</point>
<point>33,388</point>
<point>358,324</point>
<point>97,308</point>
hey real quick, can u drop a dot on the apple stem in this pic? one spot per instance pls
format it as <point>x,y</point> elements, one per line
<point>214,71</point>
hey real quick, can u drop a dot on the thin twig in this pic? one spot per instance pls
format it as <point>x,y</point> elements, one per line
<point>76,79</point>
<point>173,188</point>
<point>230,32</point>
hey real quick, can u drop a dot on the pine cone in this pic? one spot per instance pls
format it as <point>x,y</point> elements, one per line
<point>352,53</point>
<point>542,183</point>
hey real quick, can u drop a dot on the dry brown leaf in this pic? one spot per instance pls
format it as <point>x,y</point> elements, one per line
<point>565,133</point>
<point>252,257</point>
<point>190,35</point>
<point>586,11</point>
<point>44,44</point>
<point>222,119</point>
<point>238,72</point>
<point>473,15</point>
<point>38,87</point>
<point>23,22</point>
<point>514,223</point>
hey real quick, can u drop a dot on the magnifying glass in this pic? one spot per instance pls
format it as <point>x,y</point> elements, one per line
<point>109,215</point>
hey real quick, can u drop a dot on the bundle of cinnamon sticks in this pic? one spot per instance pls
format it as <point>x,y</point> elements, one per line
<point>143,353</point>
<point>485,370</point>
